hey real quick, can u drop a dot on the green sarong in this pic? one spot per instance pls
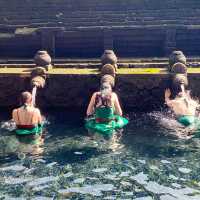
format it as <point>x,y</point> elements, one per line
<point>188,120</point>
<point>112,122</point>
<point>37,130</point>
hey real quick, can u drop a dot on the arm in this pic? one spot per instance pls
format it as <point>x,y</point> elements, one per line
<point>117,106</point>
<point>14,117</point>
<point>90,109</point>
<point>38,116</point>
<point>168,101</point>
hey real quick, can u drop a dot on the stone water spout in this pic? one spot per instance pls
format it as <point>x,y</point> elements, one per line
<point>43,59</point>
<point>179,77</point>
<point>109,57</point>
<point>108,74</point>
<point>176,57</point>
<point>38,79</point>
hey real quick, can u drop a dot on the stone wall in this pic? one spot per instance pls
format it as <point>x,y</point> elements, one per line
<point>132,28</point>
<point>136,92</point>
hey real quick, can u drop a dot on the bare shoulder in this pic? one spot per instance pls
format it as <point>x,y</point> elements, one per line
<point>14,111</point>
<point>37,110</point>
<point>114,95</point>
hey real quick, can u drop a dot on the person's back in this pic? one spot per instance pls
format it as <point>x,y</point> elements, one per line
<point>105,98</point>
<point>106,112</point>
<point>184,106</point>
<point>27,115</point>
<point>27,118</point>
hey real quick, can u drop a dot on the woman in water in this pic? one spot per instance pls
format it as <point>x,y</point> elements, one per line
<point>105,110</point>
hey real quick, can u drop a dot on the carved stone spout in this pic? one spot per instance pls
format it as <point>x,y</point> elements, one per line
<point>108,69</point>
<point>179,68</point>
<point>176,57</point>
<point>38,77</point>
<point>42,59</point>
<point>109,57</point>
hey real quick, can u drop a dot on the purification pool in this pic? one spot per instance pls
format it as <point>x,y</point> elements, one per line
<point>144,162</point>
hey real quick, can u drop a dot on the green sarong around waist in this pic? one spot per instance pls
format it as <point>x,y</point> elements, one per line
<point>188,120</point>
<point>36,130</point>
<point>105,122</point>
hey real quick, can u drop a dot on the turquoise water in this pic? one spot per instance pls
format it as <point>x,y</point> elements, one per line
<point>146,162</point>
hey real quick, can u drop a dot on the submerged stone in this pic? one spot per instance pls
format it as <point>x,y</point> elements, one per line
<point>43,180</point>
<point>165,161</point>
<point>40,187</point>
<point>141,178</point>
<point>79,180</point>
<point>99,170</point>
<point>95,190</point>
<point>153,167</point>
<point>167,197</point>
<point>184,170</point>
<point>125,174</point>
<point>13,168</point>
<point>16,181</point>
<point>144,198</point>
<point>51,164</point>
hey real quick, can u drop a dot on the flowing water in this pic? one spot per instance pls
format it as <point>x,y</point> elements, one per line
<point>147,161</point>
<point>34,92</point>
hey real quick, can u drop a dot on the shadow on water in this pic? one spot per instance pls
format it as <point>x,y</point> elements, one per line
<point>75,155</point>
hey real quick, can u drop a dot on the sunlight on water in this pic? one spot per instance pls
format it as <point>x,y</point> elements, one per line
<point>148,161</point>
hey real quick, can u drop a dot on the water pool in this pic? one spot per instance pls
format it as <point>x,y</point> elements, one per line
<point>147,162</point>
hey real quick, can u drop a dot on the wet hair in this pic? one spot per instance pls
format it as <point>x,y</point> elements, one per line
<point>105,88</point>
<point>25,97</point>
<point>104,98</point>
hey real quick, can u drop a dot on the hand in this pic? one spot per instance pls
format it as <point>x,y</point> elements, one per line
<point>167,93</point>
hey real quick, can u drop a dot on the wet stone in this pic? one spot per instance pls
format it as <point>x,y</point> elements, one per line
<point>184,170</point>
<point>100,170</point>
<point>95,190</point>
<point>15,168</point>
<point>141,178</point>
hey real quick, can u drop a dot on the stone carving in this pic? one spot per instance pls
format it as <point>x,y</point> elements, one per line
<point>179,68</point>
<point>109,57</point>
<point>108,69</point>
<point>175,57</point>
<point>38,77</point>
<point>43,59</point>
<point>179,79</point>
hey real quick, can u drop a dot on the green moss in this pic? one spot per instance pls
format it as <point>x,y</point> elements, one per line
<point>87,71</point>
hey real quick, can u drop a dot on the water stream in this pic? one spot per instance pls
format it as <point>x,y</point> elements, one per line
<point>34,92</point>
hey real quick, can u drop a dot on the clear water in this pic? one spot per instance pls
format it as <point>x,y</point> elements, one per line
<point>147,162</point>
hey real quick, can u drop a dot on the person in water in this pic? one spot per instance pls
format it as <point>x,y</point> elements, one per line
<point>27,118</point>
<point>105,108</point>
<point>184,108</point>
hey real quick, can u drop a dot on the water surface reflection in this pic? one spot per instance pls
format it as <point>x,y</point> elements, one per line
<point>147,162</point>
